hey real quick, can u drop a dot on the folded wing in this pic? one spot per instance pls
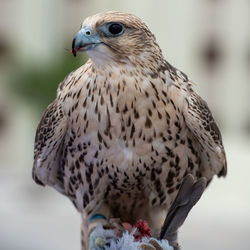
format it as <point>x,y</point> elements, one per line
<point>48,167</point>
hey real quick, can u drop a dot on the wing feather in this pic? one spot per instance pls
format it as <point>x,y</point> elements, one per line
<point>47,167</point>
<point>201,123</point>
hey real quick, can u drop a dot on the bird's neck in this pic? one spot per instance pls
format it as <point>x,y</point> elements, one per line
<point>146,62</point>
<point>130,66</point>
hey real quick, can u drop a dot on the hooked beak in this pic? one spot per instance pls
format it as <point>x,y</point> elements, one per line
<point>84,40</point>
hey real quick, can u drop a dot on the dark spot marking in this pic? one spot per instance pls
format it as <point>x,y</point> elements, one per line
<point>148,123</point>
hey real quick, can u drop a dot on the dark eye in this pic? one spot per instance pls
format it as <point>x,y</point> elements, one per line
<point>115,28</point>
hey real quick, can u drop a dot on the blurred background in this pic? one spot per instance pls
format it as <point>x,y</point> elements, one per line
<point>207,39</point>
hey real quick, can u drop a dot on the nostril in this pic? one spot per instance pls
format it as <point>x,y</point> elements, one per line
<point>87,33</point>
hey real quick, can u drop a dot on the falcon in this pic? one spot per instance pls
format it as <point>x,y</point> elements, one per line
<point>125,128</point>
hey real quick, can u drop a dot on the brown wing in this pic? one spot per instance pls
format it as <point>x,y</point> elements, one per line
<point>201,123</point>
<point>47,169</point>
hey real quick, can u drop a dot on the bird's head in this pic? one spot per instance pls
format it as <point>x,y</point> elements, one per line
<point>115,38</point>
